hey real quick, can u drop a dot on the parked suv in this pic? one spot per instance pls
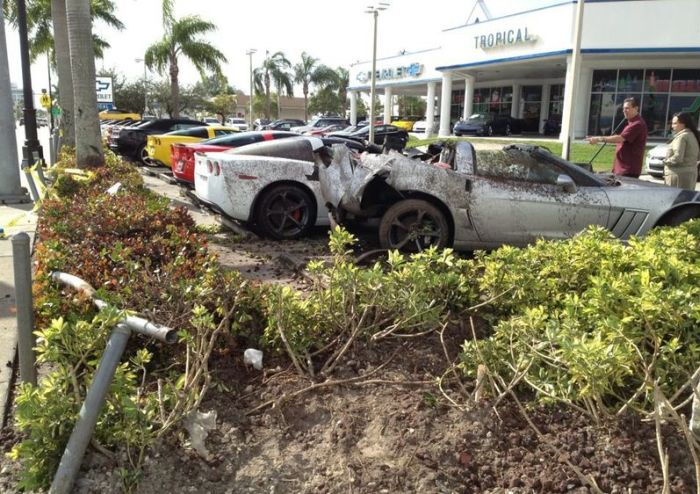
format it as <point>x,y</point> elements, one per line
<point>321,122</point>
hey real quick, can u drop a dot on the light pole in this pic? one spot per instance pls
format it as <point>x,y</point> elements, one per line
<point>374,10</point>
<point>250,56</point>
<point>145,90</point>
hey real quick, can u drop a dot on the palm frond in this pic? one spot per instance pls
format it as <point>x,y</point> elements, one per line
<point>203,56</point>
<point>157,55</point>
<point>168,14</point>
<point>103,10</point>
<point>187,28</point>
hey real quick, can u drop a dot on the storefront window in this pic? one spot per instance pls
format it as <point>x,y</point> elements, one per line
<point>556,99</point>
<point>532,102</point>
<point>661,93</point>
<point>604,81</point>
<point>496,100</point>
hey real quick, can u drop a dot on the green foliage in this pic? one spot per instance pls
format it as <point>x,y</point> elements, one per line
<point>141,255</point>
<point>590,320</point>
<point>405,295</point>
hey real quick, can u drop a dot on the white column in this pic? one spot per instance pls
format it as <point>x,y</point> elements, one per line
<point>430,110</point>
<point>573,63</point>
<point>388,104</point>
<point>583,101</point>
<point>515,106</point>
<point>445,100</point>
<point>544,107</point>
<point>353,107</point>
<point>10,185</point>
<point>468,97</point>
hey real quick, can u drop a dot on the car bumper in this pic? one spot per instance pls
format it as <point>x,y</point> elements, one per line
<point>655,167</point>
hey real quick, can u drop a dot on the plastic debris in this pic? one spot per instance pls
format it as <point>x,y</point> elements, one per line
<point>198,425</point>
<point>114,189</point>
<point>253,357</point>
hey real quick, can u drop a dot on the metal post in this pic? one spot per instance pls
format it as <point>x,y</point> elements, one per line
<point>250,56</point>
<point>31,151</point>
<point>48,65</point>
<point>21,260</point>
<point>89,412</point>
<point>572,80</point>
<point>373,79</point>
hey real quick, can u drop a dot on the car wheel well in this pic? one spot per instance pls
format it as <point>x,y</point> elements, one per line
<point>679,215</point>
<point>414,194</point>
<point>252,215</point>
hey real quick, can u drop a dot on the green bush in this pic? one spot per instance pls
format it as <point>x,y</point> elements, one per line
<point>591,320</point>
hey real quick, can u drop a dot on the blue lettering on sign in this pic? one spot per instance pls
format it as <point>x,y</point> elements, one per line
<point>504,38</point>
<point>412,70</point>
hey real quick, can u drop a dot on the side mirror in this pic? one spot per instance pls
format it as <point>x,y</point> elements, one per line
<point>566,183</point>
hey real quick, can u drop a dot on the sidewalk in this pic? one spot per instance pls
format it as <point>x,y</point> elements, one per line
<point>14,218</point>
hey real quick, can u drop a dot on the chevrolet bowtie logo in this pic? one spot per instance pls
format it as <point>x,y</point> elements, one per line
<point>101,86</point>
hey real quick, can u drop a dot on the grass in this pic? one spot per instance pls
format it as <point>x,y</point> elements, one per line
<point>580,152</point>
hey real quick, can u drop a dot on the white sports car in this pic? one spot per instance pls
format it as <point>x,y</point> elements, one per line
<point>272,185</point>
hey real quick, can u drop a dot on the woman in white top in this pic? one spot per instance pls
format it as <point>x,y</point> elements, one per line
<point>681,163</point>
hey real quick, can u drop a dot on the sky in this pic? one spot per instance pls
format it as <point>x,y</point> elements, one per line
<point>337,32</point>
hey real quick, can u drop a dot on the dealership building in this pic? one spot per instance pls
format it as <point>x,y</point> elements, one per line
<point>520,65</point>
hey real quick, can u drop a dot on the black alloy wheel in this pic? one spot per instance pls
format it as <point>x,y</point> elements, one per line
<point>286,212</point>
<point>413,225</point>
<point>142,155</point>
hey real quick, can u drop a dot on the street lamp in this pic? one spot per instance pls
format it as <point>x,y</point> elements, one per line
<point>250,56</point>
<point>374,10</point>
<point>145,91</point>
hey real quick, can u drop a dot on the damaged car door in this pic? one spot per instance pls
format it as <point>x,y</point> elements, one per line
<point>520,195</point>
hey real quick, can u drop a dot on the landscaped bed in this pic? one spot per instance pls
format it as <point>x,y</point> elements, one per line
<point>533,370</point>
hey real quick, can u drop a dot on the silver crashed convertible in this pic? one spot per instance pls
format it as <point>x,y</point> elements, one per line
<point>456,196</point>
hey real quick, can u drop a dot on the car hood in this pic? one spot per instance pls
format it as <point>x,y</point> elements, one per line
<point>658,151</point>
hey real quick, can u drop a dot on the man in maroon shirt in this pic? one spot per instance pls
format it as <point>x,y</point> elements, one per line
<point>630,143</point>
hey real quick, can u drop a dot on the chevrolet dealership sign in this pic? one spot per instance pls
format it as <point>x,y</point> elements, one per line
<point>392,73</point>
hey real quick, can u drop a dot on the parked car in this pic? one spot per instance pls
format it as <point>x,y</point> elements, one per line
<point>322,131</point>
<point>321,122</point>
<point>238,122</point>
<point>131,141</point>
<point>260,123</point>
<point>115,114</point>
<point>389,135</point>
<point>183,155</point>
<point>284,124</point>
<point>272,185</point>
<point>158,146</point>
<point>552,126</point>
<point>480,200</point>
<point>654,163</point>
<point>488,125</point>
<point>421,125</point>
<point>211,121</point>
<point>405,123</point>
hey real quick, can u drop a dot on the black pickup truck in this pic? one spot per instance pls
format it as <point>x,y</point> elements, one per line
<point>131,141</point>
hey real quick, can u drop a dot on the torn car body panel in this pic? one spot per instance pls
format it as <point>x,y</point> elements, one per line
<point>512,196</point>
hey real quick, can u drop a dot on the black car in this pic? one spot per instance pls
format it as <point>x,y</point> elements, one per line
<point>131,141</point>
<point>488,125</point>
<point>552,126</point>
<point>284,124</point>
<point>389,136</point>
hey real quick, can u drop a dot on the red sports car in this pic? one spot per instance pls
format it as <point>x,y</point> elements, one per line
<point>182,155</point>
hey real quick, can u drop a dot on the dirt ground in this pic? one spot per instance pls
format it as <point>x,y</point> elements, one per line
<point>381,424</point>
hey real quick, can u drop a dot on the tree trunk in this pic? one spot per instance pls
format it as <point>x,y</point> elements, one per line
<point>88,142</point>
<point>174,86</point>
<point>267,96</point>
<point>65,78</point>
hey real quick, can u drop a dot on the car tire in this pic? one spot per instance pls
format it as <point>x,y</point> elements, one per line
<point>413,225</point>
<point>286,212</point>
<point>682,216</point>
<point>508,132</point>
<point>142,155</point>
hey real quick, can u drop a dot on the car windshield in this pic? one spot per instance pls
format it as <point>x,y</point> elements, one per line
<point>477,119</point>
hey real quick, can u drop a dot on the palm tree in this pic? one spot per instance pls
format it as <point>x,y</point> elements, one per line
<point>182,38</point>
<point>341,81</point>
<point>88,143</point>
<point>274,70</point>
<point>39,20</point>
<point>308,72</point>
<point>65,78</point>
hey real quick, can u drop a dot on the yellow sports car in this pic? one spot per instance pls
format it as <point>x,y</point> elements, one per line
<point>158,146</point>
<point>406,123</point>
<point>118,115</point>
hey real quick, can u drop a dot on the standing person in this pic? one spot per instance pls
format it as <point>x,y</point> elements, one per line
<point>681,163</point>
<point>630,143</point>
